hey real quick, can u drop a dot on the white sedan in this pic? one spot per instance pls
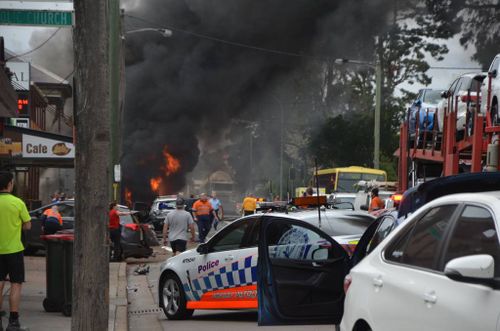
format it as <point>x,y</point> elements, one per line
<point>439,271</point>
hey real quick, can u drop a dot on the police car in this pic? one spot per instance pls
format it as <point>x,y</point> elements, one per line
<point>222,273</point>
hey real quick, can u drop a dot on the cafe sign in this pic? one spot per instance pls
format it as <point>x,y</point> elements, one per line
<point>39,147</point>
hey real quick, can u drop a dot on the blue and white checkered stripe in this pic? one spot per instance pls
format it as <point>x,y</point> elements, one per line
<point>238,273</point>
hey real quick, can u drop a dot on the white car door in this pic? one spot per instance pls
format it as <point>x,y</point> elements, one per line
<point>402,285</point>
<point>468,306</point>
<point>225,268</point>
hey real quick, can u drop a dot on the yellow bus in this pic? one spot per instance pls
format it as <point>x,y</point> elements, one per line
<point>345,179</point>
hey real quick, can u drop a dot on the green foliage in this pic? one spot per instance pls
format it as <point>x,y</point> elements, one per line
<point>344,141</point>
<point>477,22</point>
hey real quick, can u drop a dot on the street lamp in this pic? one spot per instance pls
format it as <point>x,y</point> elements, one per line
<point>164,32</point>
<point>378,103</point>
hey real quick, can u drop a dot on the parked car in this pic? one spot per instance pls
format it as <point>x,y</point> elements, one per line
<point>134,234</point>
<point>159,209</point>
<point>440,270</point>
<point>31,238</point>
<point>424,108</point>
<point>466,88</point>
<point>495,91</point>
<point>416,197</point>
<point>222,273</point>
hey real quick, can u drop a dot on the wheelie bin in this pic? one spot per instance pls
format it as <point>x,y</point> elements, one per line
<point>54,299</point>
<point>67,241</point>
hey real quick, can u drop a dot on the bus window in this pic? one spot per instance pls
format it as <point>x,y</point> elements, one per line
<point>347,182</point>
<point>327,181</point>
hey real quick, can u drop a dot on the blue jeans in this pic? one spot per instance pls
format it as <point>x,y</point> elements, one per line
<point>204,226</point>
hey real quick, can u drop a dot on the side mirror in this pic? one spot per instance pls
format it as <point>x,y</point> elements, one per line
<point>364,207</point>
<point>444,94</point>
<point>202,249</point>
<point>473,269</point>
<point>493,73</point>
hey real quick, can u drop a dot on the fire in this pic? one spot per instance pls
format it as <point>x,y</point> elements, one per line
<point>172,165</point>
<point>128,197</point>
<point>155,184</point>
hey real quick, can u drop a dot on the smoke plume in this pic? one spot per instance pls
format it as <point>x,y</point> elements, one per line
<point>186,88</point>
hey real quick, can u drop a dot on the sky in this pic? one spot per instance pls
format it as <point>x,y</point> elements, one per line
<point>17,39</point>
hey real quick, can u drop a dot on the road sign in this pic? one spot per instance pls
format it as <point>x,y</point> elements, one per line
<point>36,17</point>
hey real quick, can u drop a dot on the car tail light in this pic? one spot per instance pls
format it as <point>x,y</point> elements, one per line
<point>347,283</point>
<point>397,199</point>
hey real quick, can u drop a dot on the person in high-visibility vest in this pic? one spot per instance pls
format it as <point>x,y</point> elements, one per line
<point>52,220</point>
<point>249,205</point>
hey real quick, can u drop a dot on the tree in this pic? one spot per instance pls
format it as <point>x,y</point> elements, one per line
<point>476,21</point>
<point>91,258</point>
<point>402,48</point>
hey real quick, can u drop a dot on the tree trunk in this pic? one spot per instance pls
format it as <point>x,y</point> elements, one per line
<point>92,104</point>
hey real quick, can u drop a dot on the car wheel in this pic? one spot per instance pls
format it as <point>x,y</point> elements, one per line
<point>173,299</point>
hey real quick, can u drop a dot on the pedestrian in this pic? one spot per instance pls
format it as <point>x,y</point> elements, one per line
<point>175,229</point>
<point>14,218</point>
<point>249,205</point>
<point>218,214</point>
<point>202,210</point>
<point>376,202</point>
<point>52,220</point>
<point>62,196</point>
<point>55,197</point>
<point>115,231</point>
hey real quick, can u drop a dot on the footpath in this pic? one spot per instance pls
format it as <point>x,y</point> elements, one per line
<point>34,317</point>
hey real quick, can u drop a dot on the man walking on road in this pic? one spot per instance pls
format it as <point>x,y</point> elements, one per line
<point>202,210</point>
<point>14,217</point>
<point>176,227</point>
<point>218,210</point>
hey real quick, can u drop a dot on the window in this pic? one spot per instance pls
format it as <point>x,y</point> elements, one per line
<point>385,227</point>
<point>66,210</point>
<point>419,245</point>
<point>495,64</point>
<point>290,241</point>
<point>233,236</point>
<point>474,233</point>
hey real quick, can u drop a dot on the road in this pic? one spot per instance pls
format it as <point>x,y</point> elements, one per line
<point>144,313</point>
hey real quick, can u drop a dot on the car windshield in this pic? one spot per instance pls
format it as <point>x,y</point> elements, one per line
<point>432,97</point>
<point>162,205</point>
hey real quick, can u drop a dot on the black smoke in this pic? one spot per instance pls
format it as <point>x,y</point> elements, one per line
<point>181,88</point>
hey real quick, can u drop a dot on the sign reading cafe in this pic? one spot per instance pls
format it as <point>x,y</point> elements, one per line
<point>39,147</point>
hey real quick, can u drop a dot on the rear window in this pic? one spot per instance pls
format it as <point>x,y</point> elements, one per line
<point>341,225</point>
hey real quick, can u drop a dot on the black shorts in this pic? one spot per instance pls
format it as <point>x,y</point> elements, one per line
<point>13,266</point>
<point>178,245</point>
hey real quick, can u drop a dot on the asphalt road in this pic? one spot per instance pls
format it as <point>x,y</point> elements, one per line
<point>145,315</point>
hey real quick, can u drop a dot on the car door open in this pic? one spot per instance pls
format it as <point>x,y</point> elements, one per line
<point>300,274</point>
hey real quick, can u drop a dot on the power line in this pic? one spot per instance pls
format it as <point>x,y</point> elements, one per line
<point>233,43</point>
<point>36,48</point>
<point>279,52</point>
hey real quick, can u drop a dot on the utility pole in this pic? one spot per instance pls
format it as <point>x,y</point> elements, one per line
<point>378,105</point>
<point>92,111</point>
<point>115,62</point>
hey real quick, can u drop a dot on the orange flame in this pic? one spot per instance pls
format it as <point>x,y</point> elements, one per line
<point>128,197</point>
<point>155,184</point>
<point>172,164</point>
